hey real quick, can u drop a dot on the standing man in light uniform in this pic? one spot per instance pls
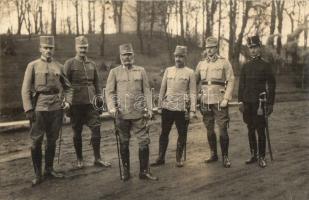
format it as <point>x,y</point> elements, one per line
<point>82,73</point>
<point>43,85</point>
<point>216,78</point>
<point>177,93</point>
<point>128,96</point>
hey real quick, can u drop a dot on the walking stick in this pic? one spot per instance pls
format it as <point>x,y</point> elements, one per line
<point>263,98</point>
<point>117,142</point>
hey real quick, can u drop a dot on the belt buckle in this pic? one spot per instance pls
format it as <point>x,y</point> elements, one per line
<point>208,82</point>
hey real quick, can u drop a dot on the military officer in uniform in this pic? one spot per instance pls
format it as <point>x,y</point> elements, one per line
<point>177,93</point>
<point>128,97</point>
<point>256,78</point>
<point>82,73</point>
<point>42,94</point>
<point>216,78</point>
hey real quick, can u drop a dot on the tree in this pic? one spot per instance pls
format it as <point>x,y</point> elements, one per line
<point>53,17</point>
<point>89,16</point>
<point>27,18</point>
<point>272,27</point>
<point>76,16</point>
<point>21,10</point>
<point>211,7</point>
<point>82,18</point>
<point>139,7</point>
<point>182,31</point>
<point>103,2</point>
<point>280,8</point>
<point>118,7</point>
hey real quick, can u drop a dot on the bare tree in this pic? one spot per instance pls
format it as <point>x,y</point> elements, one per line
<point>118,7</point>
<point>280,8</point>
<point>82,18</point>
<point>102,49</point>
<point>89,16</point>
<point>75,2</point>
<point>21,10</point>
<point>272,27</point>
<point>182,31</point>
<point>53,17</point>
<point>139,7</point>
<point>211,7</point>
<point>27,18</point>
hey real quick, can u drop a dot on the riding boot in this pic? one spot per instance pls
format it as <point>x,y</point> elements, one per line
<point>253,146</point>
<point>161,158</point>
<point>212,140</point>
<point>179,151</point>
<point>78,145</point>
<point>36,155</point>
<point>49,162</point>
<point>125,157</point>
<point>144,164</point>
<point>97,154</point>
<point>224,143</point>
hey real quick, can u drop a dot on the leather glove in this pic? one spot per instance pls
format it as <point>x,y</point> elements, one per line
<point>66,106</point>
<point>241,107</point>
<point>224,103</point>
<point>269,109</point>
<point>30,115</point>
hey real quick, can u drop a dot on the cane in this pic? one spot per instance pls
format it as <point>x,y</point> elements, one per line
<point>117,142</point>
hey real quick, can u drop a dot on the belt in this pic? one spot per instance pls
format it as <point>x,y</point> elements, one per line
<point>222,83</point>
<point>51,92</point>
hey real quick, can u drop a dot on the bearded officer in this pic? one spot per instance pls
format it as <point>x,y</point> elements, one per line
<point>43,102</point>
<point>177,93</point>
<point>82,73</point>
<point>128,95</point>
<point>256,77</point>
<point>216,78</point>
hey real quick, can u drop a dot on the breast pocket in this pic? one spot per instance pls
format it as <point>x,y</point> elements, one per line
<point>40,78</point>
<point>216,72</point>
<point>137,77</point>
<point>203,74</point>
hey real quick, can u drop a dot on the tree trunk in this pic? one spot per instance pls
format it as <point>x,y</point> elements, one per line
<point>204,16</point>
<point>152,21</point>
<point>138,25</point>
<point>53,17</point>
<point>280,6</point>
<point>182,31</point>
<point>232,31</point>
<point>82,19</point>
<point>272,23</point>
<point>89,17</point>
<point>76,16</point>
<point>20,8</point>
<point>41,18</point>
<point>102,49</point>
<point>219,28</point>
<point>211,7</point>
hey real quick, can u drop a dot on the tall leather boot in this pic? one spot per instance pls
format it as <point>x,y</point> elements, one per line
<point>179,151</point>
<point>262,146</point>
<point>78,145</point>
<point>161,158</point>
<point>212,140</point>
<point>253,146</point>
<point>224,143</point>
<point>49,162</point>
<point>36,155</point>
<point>144,164</point>
<point>125,158</point>
<point>97,154</point>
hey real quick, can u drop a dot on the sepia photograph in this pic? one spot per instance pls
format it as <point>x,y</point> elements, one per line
<point>154,99</point>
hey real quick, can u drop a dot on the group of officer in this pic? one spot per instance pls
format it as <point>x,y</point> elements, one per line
<point>50,89</point>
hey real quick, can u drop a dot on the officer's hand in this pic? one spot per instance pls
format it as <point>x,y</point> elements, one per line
<point>30,115</point>
<point>159,111</point>
<point>66,106</point>
<point>192,115</point>
<point>150,114</point>
<point>241,107</point>
<point>269,109</point>
<point>224,103</point>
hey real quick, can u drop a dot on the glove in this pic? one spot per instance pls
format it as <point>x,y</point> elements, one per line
<point>30,115</point>
<point>66,106</point>
<point>159,111</point>
<point>269,109</point>
<point>241,107</point>
<point>224,103</point>
<point>150,114</point>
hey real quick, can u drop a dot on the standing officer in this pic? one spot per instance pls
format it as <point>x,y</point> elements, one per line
<point>256,77</point>
<point>44,81</point>
<point>82,73</point>
<point>215,74</point>
<point>177,93</point>
<point>128,95</point>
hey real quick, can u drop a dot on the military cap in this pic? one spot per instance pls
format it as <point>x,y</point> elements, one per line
<point>254,41</point>
<point>211,41</point>
<point>126,48</point>
<point>47,41</point>
<point>180,50</point>
<point>81,41</point>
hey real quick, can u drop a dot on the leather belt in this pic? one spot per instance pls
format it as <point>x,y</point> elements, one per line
<point>222,83</point>
<point>51,92</point>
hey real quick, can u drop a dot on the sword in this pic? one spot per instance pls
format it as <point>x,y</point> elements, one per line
<point>117,142</point>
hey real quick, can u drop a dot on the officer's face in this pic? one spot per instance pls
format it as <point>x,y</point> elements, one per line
<point>254,51</point>
<point>81,51</point>
<point>127,59</point>
<point>180,60</point>
<point>47,52</point>
<point>211,51</point>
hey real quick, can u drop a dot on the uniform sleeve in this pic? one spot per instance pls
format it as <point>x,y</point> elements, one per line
<point>271,83</point>
<point>242,83</point>
<point>96,81</point>
<point>146,90</point>
<point>192,87</point>
<point>26,88</point>
<point>67,70</point>
<point>110,90</point>
<point>162,89</point>
<point>198,73</point>
<point>229,74</point>
<point>67,87</point>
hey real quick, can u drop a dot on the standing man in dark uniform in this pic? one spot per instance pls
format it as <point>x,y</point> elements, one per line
<point>43,102</point>
<point>216,78</point>
<point>177,93</point>
<point>128,95</point>
<point>256,77</point>
<point>82,73</point>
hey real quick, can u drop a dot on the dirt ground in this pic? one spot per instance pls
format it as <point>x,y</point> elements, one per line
<point>286,178</point>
